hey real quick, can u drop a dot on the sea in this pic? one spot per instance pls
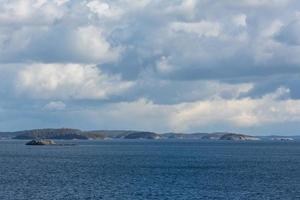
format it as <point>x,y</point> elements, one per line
<point>150,169</point>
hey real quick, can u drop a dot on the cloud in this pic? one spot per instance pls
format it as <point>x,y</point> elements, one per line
<point>84,44</point>
<point>103,9</point>
<point>130,37</point>
<point>289,33</point>
<point>198,115</point>
<point>245,112</point>
<point>51,31</point>
<point>214,114</point>
<point>163,66</point>
<point>30,12</point>
<point>172,63</point>
<point>68,81</point>
<point>88,44</point>
<point>55,105</point>
<point>202,28</point>
<point>265,2</point>
<point>175,92</point>
<point>240,20</point>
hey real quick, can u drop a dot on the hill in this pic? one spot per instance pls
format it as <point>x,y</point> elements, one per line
<point>232,136</point>
<point>69,134</point>
<point>142,135</point>
<point>57,134</point>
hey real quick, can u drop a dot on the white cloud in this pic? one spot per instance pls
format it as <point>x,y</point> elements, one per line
<point>185,8</point>
<point>197,47</point>
<point>90,45</point>
<point>30,12</point>
<point>141,114</point>
<point>245,112</point>
<point>44,30</point>
<point>115,10</point>
<point>68,81</point>
<point>84,44</point>
<point>61,2</point>
<point>103,9</point>
<point>272,29</point>
<point>202,28</point>
<point>240,20</point>
<point>260,3</point>
<point>198,115</point>
<point>55,105</point>
<point>227,91</point>
<point>189,5</point>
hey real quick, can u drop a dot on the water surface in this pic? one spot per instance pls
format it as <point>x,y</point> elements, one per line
<point>133,170</point>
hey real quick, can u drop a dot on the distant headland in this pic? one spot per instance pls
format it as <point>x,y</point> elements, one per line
<point>76,134</point>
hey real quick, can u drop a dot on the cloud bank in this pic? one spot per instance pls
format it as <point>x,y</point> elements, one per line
<point>160,65</point>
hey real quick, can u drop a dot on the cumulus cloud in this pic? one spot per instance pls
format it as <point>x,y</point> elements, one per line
<point>202,28</point>
<point>143,31</point>
<point>68,81</point>
<point>51,31</point>
<point>174,62</point>
<point>84,44</point>
<point>88,44</point>
<point>239,114</point>
<point>30,12</point>
<point>103,9</point>
<point>245,112</point>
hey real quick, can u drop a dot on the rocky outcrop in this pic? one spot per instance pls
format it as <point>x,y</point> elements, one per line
<point>142,135</point>
<point>190,136</point>
<point>282,139</point>
<point>213,136</point>
<point>235,137</point>
<point>40,142</point>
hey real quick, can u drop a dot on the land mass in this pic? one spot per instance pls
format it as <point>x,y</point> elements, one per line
<point>76,134</point>
<point>41,142</point>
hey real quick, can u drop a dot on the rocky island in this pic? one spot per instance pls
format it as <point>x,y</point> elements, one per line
<point>282,139</point>
<point>76,134</point>
<point>142,135</point>
<point>235,137</point>
<point>41,142</point>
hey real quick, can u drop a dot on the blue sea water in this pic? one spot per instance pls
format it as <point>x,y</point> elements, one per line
<point>133,170</point>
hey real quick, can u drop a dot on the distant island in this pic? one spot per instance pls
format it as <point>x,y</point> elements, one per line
<point>40,142</point>
<point>76,134</point>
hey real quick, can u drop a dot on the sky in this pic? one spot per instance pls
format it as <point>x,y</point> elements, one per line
<point>156,65</point>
